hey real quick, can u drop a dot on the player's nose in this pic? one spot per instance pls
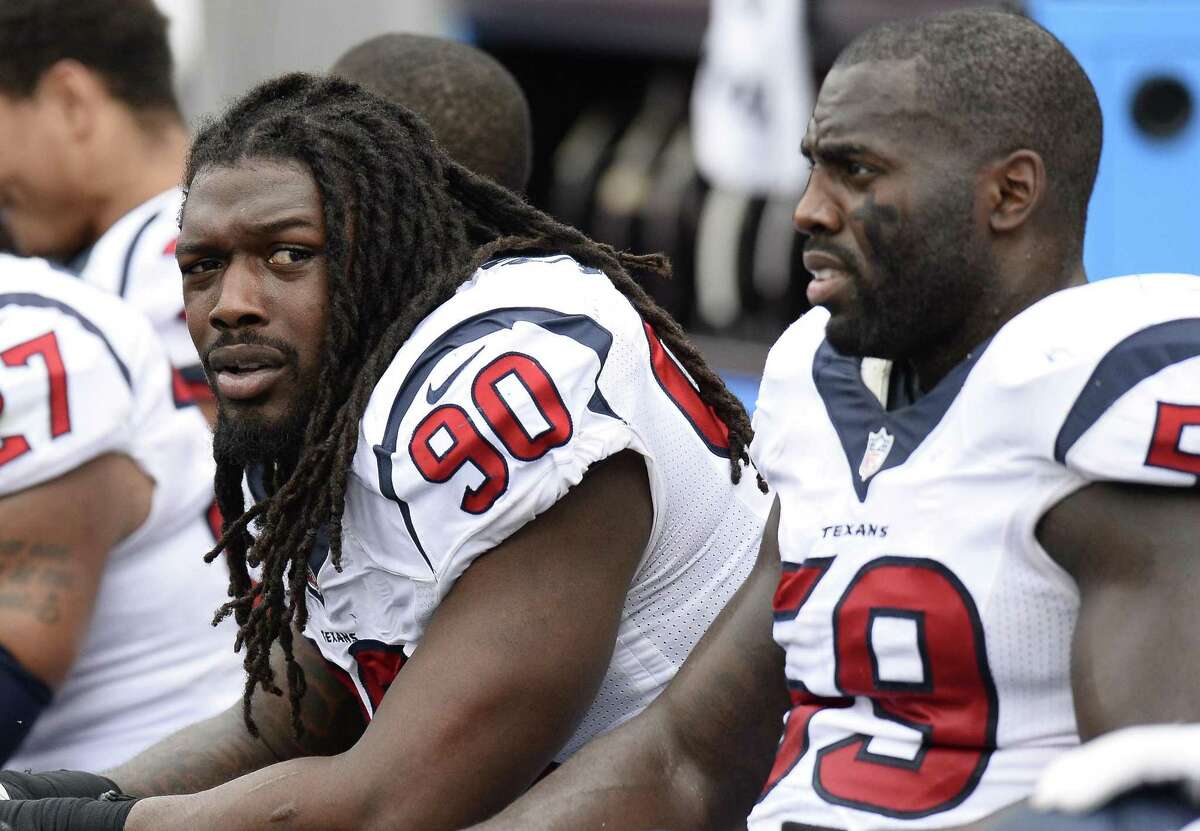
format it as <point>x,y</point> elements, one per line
<point>817,212</point>
<point>241,301</point>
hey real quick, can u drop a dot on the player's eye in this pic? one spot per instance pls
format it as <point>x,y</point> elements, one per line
<point>858,172</point>
<point>289,256</point>
<point>199,267</point>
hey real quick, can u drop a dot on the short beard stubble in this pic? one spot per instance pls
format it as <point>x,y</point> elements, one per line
<point>929,273</point>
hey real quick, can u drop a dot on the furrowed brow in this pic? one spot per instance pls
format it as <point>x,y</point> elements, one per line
<point>833,153</point>
<point>184,248</point>
<point>276,226</point>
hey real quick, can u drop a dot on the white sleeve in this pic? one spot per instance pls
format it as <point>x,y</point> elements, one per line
<point>65,396</point>
<point>1137,419</point>
<point>492,431</point>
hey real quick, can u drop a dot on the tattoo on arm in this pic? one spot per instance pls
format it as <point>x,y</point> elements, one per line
<point>215,751</point>
<point>33,576</point>
<point>194,759</point>
<point>333,719</point>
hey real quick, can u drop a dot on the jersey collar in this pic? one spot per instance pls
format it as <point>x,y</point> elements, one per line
<point>864,426</point>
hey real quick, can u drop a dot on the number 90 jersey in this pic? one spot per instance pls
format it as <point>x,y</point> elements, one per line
<point>927,632</point>
<point>495,406</point>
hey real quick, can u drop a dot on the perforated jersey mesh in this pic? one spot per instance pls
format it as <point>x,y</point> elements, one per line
<point>1031,624</point>
<point>706,539</point>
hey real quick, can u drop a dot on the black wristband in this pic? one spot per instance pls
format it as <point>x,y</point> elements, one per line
<point>66,814</point>
<point>54,783</point>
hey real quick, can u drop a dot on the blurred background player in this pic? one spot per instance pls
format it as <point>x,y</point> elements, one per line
<point>105,491</point>
<point>91,153</point>
<point>474,106</point>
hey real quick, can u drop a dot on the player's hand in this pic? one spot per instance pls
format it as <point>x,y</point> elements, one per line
<point>66,814</point>
<point>15,784</point>
<point>1089,776</point>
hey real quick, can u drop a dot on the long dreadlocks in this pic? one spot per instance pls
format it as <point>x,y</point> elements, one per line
<point>404,227</point>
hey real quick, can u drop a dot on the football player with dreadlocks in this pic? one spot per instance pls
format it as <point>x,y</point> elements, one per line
<point>475,434</point>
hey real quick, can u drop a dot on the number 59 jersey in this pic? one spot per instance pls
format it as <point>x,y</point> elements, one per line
<point>495,406</point>
<point>928,634</point>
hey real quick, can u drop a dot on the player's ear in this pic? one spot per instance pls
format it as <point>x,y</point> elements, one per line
<point>72,95</point>
<point>1015,186</point>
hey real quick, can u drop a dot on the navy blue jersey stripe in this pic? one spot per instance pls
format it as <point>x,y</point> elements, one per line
<point>855,412</point>
<point>254,479</point>
<point>577,327</point>
<point>1133,360</point>
<point>133,243</point>
<point>39,301</point>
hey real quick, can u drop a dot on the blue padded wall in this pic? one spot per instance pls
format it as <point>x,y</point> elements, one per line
<point>1143,213</point>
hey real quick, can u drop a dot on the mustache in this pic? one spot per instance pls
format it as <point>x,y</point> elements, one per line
<point>823,246</point>
<point>249,338</point>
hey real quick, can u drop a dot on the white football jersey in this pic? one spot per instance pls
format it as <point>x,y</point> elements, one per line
<point>928,634</point>
<point>495,406</point>
<point>82,375</point>
<point>135,260</point>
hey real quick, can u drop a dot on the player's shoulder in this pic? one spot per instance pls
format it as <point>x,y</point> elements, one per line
<point>1118,322</point>
<point>36,291</point>
<point>553,311</point>
<point>493,408</point>
<point>70,358</point>
<point>135,258</point>
<point>531,281</point>
<point>149,227</point>
<point>786,383</point>
<point>1104,378</point>
<point>791,356</point>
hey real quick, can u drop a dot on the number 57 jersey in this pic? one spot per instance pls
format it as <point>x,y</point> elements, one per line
<point>496,405</point>
<point>928,634</point>
<point>81,376</point>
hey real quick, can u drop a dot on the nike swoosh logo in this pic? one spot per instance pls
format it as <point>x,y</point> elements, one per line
<point>432,394</point>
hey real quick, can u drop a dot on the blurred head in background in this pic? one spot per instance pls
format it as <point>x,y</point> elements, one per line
<point>89,123</point>
<point>477,111</point>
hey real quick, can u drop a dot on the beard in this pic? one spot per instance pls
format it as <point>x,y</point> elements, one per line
<point>926,274</point>
<point>243,436</point>
<point>249,439</point>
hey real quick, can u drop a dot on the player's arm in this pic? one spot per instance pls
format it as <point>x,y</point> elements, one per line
<point>508,666</point>
<point>54,540</point>
<point>1133,551</point>
<point>215,751</point>
<point>698,756</point>
<point>219,749</point>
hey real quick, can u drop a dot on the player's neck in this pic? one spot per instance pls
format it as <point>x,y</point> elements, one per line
<point>993,311</point>
<point>149,164</point>
<point>926,371</point>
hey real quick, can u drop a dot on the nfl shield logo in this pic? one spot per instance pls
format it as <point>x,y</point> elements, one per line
<point>879,445</point>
